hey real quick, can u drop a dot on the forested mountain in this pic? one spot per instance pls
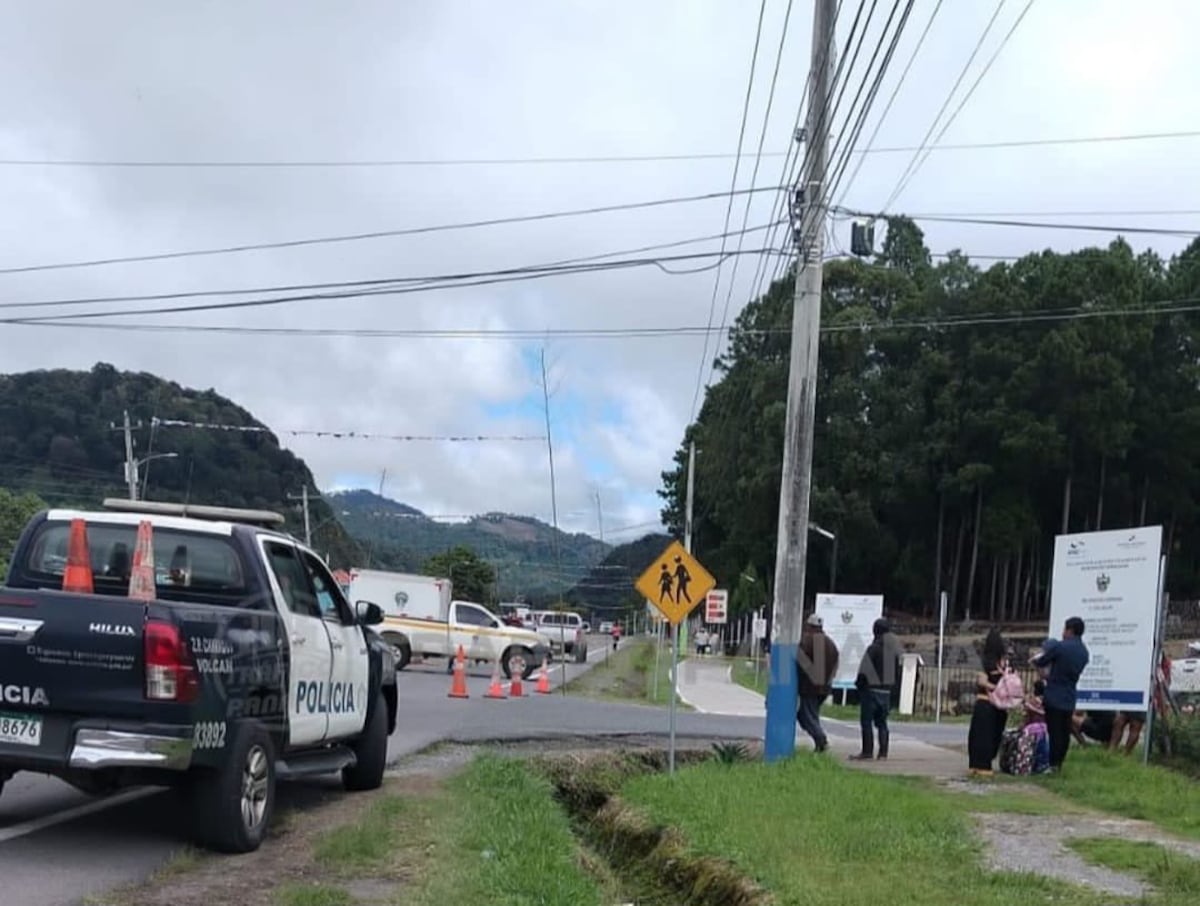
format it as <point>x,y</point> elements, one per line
<point>964,418</point>
<point>57,441</point>
<point>608,587</point>
<point>521,549</point>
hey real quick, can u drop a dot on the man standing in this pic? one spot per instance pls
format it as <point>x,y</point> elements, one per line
<point>1066,660</point>
<point>817,660</point>
<point>878,676</point>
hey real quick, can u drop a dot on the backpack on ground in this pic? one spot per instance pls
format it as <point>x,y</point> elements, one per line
<point>1009,692</point>
<point>1018,751</point>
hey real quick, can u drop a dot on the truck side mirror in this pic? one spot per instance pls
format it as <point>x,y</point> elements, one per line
<point>368,614</point>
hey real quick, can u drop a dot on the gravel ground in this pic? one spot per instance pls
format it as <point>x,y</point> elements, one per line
<point>1036,844</point>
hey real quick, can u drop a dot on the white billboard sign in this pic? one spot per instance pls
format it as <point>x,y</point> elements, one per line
<point>1110,580</point>
<point>759,629</point>
<point>848,620</point>
<point>716,605</point>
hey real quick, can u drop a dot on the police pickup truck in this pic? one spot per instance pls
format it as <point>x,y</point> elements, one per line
<point>192,647</point>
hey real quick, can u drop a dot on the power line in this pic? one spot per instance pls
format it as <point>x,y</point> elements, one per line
<point>487,279</point>
<point>538,161</point>
<point>346,284</point>
<point>986,69</point>
<point>758,158</point>
<point>338,434</point>
<point>380,234</point>
<point>945,105</point>
<point>1032,224</point>
<point>712,305</point>
<point>891,100</point>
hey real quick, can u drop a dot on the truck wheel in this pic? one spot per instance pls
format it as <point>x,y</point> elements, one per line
<point>233,804</point>
<point>518,660</point>
<point>402,649</point>
<point>370,752</point>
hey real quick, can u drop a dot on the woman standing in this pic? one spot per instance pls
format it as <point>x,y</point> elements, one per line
<point>987,721</point>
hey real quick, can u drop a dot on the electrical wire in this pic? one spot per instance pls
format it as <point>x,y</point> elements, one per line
<point>380,234</point>
<point>1033,224</point>
<point>862,155</point>
<point>945,105</point>
<point>347,284</point>
<point>515,275</point>
<point>712,305</point>
<point>758,158</point>
<point>986,68</point>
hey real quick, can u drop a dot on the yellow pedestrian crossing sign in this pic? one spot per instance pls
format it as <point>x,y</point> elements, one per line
<point>675,583</point>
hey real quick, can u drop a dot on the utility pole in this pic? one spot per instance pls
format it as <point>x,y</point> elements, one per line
<point>791,554</point>
<point>304,503</point>
<point>687,543</point>
<point>599,516</point>
<point>691,487</point>
<point>131,469</point>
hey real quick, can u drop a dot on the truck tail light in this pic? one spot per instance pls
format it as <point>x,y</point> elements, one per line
<point>170,670</point>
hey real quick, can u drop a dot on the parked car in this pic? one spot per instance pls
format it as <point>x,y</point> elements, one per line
<point>564,629</point>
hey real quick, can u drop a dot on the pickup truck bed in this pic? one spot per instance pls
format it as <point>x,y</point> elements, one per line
<point>243,664</point>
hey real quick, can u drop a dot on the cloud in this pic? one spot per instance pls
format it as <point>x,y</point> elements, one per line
<point>310,80</point>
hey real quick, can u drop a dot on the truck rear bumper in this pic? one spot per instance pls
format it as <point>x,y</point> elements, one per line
<point>96,749</point>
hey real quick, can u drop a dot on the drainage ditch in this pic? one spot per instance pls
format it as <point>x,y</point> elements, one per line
<point>652,863</point>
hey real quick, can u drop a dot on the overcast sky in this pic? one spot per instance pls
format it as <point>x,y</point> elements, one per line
<point>302,80</point>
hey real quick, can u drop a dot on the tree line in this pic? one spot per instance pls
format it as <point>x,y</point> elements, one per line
<point>965,416</point>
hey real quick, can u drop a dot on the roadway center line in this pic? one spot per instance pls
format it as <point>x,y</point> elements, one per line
<point>34,825</point>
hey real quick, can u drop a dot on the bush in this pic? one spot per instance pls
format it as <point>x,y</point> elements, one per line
<point>1178,736</point>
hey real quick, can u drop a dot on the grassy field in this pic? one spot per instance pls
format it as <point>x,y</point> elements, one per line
<point>744,675</point>
<point>1175,877</point>
<point>628,674</point>
<point>816,833</point>
<point>1120,784</point>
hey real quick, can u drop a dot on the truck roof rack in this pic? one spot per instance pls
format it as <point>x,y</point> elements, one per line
<point>265,518</point>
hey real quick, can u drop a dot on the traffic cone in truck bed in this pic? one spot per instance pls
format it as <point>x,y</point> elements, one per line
<point>458,685</point>
<point>77,577</point>
<point>141,576</point>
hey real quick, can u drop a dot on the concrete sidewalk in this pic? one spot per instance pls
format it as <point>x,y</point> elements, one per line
<point>708,686</point>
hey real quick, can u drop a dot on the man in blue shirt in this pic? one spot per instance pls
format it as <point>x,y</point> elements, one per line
<point>1065,660</point>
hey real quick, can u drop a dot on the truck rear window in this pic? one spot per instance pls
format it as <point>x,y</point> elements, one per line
<point>187,566</point>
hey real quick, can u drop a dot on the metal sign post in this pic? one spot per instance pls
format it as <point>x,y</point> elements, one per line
<point>1160,625</point>
<point>937,718</point>
<point>674,695</point>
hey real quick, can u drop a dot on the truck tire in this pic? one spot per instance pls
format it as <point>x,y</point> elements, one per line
<point>518,659</point>
<point>370,752</point>
<point>402,648</point>
<point>233,805</point>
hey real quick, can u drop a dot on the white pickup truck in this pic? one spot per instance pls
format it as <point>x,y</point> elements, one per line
<point>422,620</point>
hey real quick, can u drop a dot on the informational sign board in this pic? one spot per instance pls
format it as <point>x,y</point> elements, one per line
<point>760,627</point>
<point>1110,580</point>
<point>848,620</point>
<point>716,606</point>
<point>675,583</point>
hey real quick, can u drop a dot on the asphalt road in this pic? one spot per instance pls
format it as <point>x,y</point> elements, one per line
<point>58,846</point>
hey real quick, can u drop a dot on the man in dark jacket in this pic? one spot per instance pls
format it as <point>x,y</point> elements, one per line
<point>1065,661</point>
<point>817,662</point>
<point>878,677</point>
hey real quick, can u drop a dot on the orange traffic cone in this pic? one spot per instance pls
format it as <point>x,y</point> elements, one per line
<point>495,690</point>
<point>77,577</point>
<point>515,689</point>
<point>543,683</point>
<point>458,686</point>
<point>141,576</point>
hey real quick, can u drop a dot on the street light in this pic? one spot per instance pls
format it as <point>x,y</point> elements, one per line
<point>131,470</point>
<point>824,533</point>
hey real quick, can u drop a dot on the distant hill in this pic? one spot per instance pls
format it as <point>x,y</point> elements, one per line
<point>57,441</point>
<point>608,586</point>
<point>522,548</point>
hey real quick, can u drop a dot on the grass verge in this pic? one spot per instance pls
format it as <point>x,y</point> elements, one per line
<point>1175,877</point>
<point>745,675</point>
<point>502,839</point>
<point>313,895</point>
<point>1121,784</point>
<point>368,843</point>
<point>813,832</point>
<point>628,674</point>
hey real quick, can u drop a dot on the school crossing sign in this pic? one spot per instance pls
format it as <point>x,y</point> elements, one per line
<point>675,583</point>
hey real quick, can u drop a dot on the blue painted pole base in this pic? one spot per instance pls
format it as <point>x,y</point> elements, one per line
<point>779,741</point>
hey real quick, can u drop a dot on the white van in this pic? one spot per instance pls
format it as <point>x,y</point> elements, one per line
<point>566,633</point>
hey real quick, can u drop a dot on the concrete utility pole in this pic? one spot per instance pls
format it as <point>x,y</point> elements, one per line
<point>687,543</point>
<point>691,496</point>
<point>131,469</point>
<point>792,543</point>
<point>303,498</point>
<point>599,515</point>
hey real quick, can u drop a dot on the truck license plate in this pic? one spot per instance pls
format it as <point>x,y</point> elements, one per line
<point>21,729</point>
